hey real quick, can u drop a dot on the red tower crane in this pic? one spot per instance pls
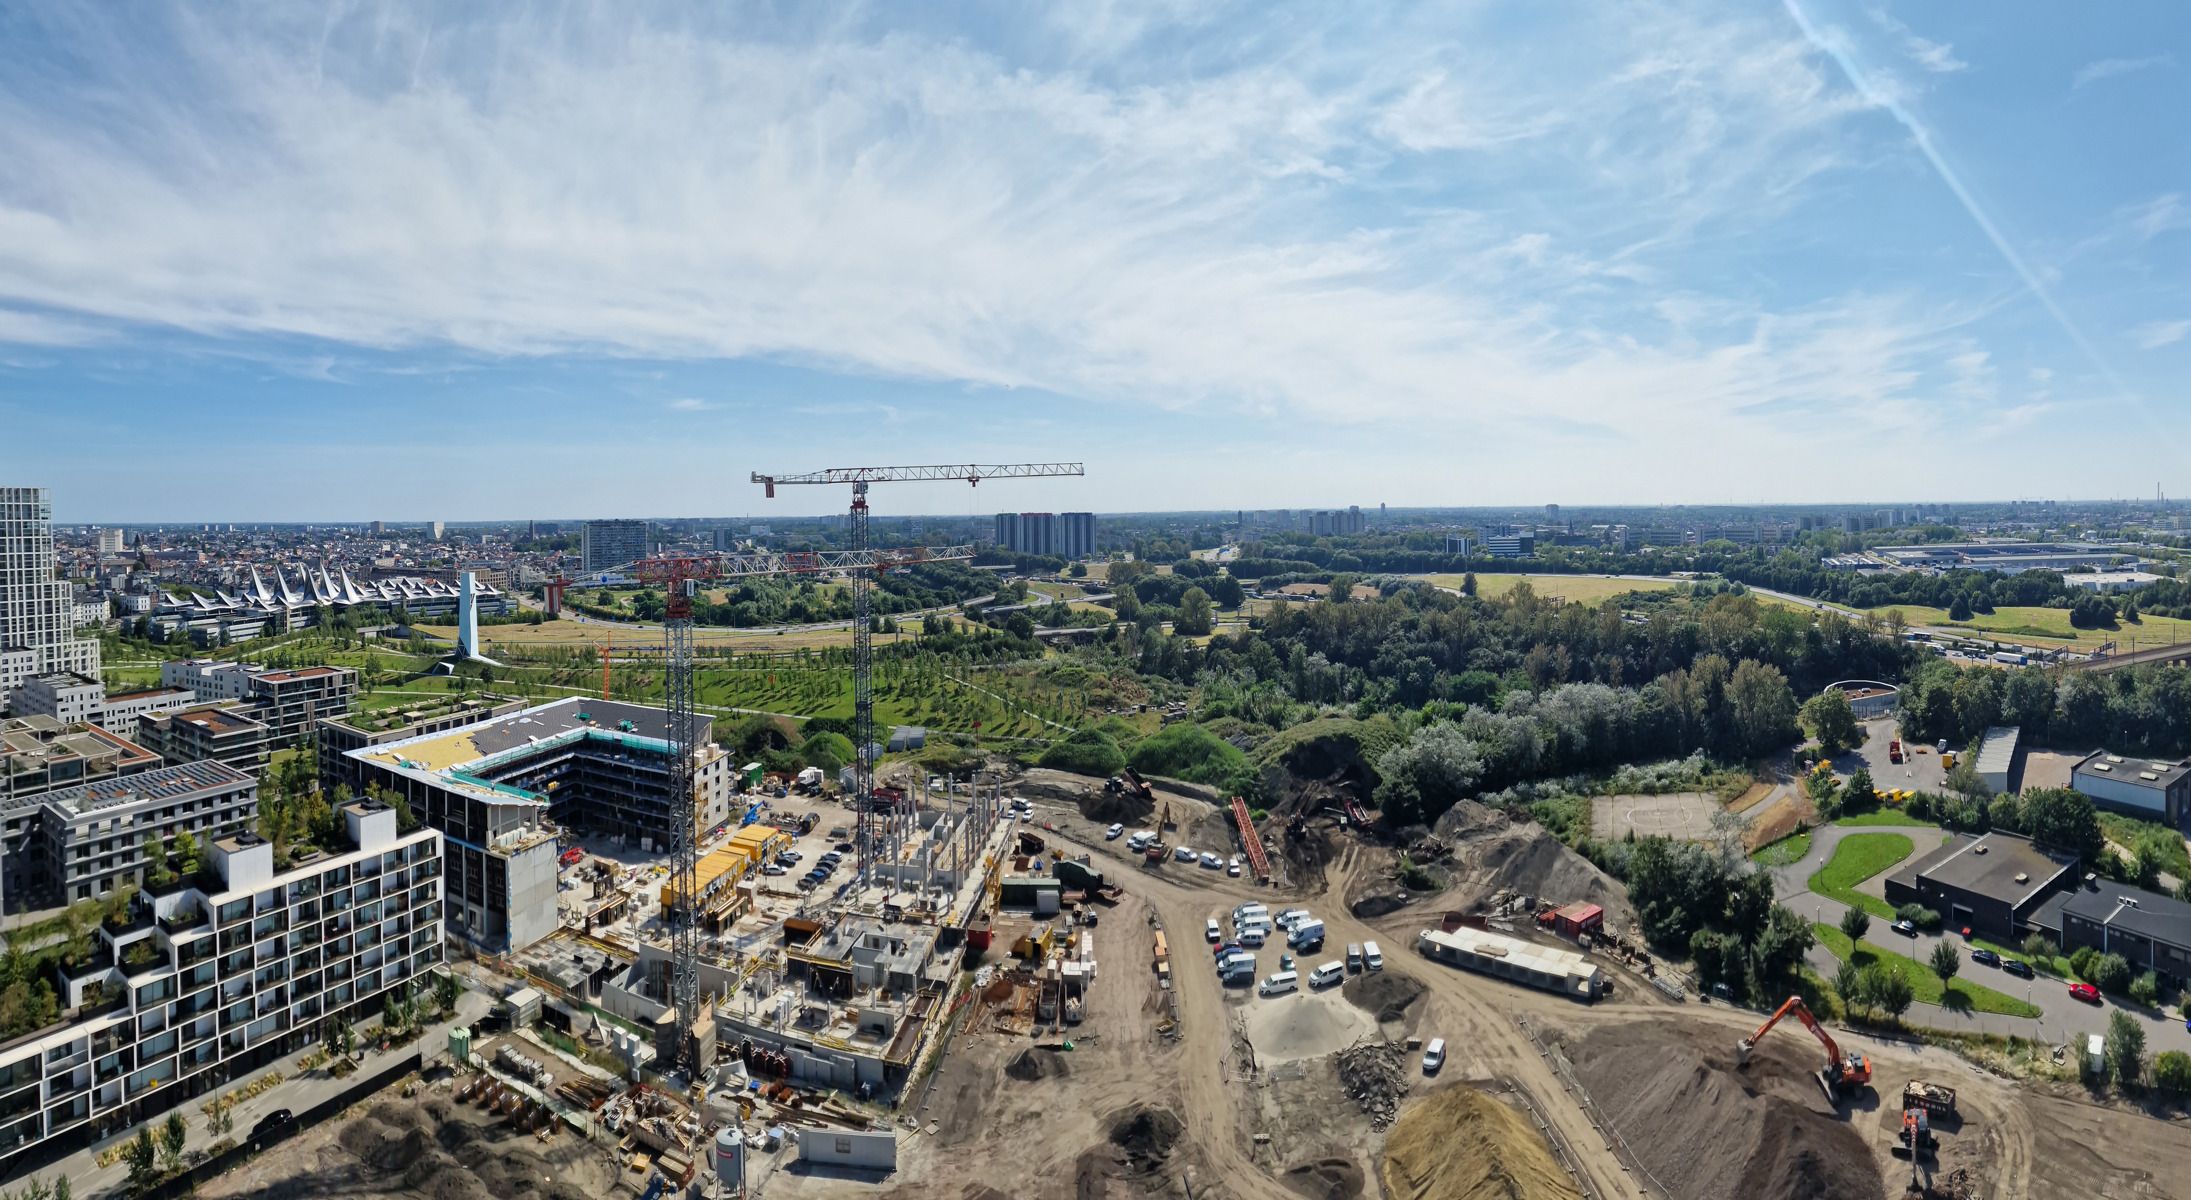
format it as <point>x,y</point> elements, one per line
<point>863,643</point>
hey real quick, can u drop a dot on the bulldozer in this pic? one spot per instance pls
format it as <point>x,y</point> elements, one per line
<point>1843,1074</point>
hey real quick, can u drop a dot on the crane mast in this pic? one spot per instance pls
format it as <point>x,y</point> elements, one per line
<point>679,574</point>
<point>870,831</point>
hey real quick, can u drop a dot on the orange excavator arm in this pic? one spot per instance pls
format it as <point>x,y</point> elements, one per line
<point>1854,1070</point>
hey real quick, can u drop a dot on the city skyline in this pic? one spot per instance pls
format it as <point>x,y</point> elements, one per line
<point>1210,253</point>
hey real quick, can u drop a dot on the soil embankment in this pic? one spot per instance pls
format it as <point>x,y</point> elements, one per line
<point>1460,1144</point>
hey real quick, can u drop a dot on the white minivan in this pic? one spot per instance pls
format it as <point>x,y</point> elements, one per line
<point>1249,911</point>
<point>1280,984</point>
<point>1212,932</point>
<point>1371,957</point>
<point>1252,935</point>
<point>1328,974</point>
<point>1433,1056</point>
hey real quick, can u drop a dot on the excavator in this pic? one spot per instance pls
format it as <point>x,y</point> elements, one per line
<point>1842,1073</point>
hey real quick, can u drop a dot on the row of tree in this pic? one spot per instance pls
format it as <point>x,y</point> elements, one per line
<point>2139,710</point>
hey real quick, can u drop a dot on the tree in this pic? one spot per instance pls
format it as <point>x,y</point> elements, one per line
<point>172,1135</point>
<point>446,990</point>
<point>1830,719</point>
<point>1196,616</point>
<point>1889,991</point>
<point>1855,923</point>
<point>1761,707</point>
<point>2109,972</point>
<point>1946,961</point>
<point>2064,820</point>
<point>2080,961</point>
<point>1959,610</point>
<point>1468,584</point>
<point>2172,1072</point>
<point>2145,989</point>
<point>1860,794</point>
<point>2125,1048</point>
<point>63,1189</point>
<point>2091,612</point>
<point>1428,774</point>
<point>157,872</point>
<point>2037,946</point>
<point>142,1157</point>
<point>1848,980</point>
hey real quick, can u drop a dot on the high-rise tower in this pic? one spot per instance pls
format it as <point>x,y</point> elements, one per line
<point>37,611</point>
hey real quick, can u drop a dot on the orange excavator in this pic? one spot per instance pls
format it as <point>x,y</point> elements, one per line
<point>1842,1073</point>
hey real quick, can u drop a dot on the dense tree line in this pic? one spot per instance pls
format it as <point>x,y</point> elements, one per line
<point>1712,906</point>
<point>2140,710</point>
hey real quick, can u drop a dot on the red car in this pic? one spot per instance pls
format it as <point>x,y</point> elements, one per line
<point>2085,992</point>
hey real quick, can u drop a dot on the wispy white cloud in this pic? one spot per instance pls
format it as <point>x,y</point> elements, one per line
<point>2155,334</point>
<point>2109,68</point>
<point>1936,57</point>
<point>43,329</point>
<point>691,404</point>
<point>2162,214</point>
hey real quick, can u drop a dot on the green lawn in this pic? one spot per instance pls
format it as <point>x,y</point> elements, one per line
<point>1888,817</point>
<point>1924,985</point>
<point>1785,852</point>
<point>2047,624</point>
<point>1859,857</point>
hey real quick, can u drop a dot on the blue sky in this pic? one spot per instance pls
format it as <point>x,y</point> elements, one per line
<point>267,262</point>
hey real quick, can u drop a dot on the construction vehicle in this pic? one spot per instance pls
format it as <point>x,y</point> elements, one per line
<point>1931,1097</point>
<point>1916,1137</point>
<point>1841,1074</point>
<point>1894,751</point>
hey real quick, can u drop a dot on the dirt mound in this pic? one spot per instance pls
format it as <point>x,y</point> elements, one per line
<point>1374,1073</point>
<point>1327,1179</point>
<point>1378,904</point>
<point>1707,1128</point>
<point>1492,854</point>
<point>1459,1144</point>
<point>437,1152</point>
<point>1385,995</point>
<point>1122,808</point>
<point>1037,1062</point>
<point>1147,1135</point>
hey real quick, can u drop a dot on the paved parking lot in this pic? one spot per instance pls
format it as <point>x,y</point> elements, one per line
<point>1920,771</point>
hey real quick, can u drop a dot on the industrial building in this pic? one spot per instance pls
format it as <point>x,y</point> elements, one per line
<point>37,610</point>
<point>1868,698</point>
<point>1991,884</point>
<point>2111,582</point>
<point>94,834</point>
<point>2153,789</point>
<point>261,609</point>
<point>1997,757</point>
<point>499,786</point>
<point>215,980</point>
<point>2150,930</point>
<point>1551,968</point>
<point>2006,558</point>
<point>207,733</point>
<point>607,544</point>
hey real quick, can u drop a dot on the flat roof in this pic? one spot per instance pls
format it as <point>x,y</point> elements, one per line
<point>1545,960</point>
<point>178,782</point>
<point>2156,773</point>
<point>511,731</point>
<point>144,692</point>
<point>216,719</point>
<point>1989,864</point>
<point>303,673</point>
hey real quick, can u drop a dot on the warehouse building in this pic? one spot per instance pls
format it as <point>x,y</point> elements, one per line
<point>1868,698</point>
<point>2149,788</point>
<point>1997,757</point>
<point>1991,884</point>
<point>214,982</point>
<point>2150,930</point>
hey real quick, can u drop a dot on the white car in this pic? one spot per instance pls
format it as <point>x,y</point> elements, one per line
<point>1183,854</point>
<point>1434,1056</point>
<point>1212,861</point>
<point>772,869</point>
<point>1112,834</point>
<point>1233,868</point>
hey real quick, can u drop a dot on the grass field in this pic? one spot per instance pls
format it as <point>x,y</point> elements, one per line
<point>1785,852</point>
<point>2050,625</point>
<point>1859,857</point>
<point>1583,589</point>
<point>1925,986</point>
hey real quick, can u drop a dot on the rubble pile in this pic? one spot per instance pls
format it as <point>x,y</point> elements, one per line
<point>1375,1074</point>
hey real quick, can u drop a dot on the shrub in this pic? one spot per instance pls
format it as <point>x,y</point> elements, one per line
<point>1085,752</point>
<point>2145,989</point>
<point>2080,961</point>
<point>1920,916</point>
<point>2110,973</point>
<point>2125,1048</point>
<point>2038,946</point>
<point>1188,751</point>
<point>2172,1072</point>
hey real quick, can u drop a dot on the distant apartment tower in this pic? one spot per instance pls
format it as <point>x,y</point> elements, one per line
<point>379,528</point>
<point>1336,522</point>
<point>1552,514</point>
<point>37,610</point>
<point>1056,535</point>
<point>607,544</point>
<point>110,541</point>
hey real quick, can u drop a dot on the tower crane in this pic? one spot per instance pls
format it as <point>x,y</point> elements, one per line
<point>863,641</point>
<point>679,575</point>
<point>1849,1072</point>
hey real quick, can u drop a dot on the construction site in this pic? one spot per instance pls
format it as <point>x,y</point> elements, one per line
<point>994,986</point>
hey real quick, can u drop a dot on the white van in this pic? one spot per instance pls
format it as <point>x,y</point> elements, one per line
<point>1328,974</point>
<point>1433,1056</point>
<point>1288,918</point>
<point>1280,984</point>
<point>1253,935</point>
<point>1212,932</point>
<point>1249,911</point>
<point>1371,957</point>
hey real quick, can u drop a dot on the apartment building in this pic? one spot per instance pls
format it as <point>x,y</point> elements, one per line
<point>39,755</point>
<point>606,544</point>
<point>290,703</point>
<point>95,833</point>
<point>217,978</point>
<point>1059,535</point>
<point>488,786</point>
<point>338,736</point>
<point>207,733</point>
<point>37,610</point>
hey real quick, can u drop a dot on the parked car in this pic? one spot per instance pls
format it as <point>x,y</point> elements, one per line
<point>1212,862</point>
<point>1184,854</point>
<point>2085,992</point>
<point>1433,1056</point>
<point>1906,928</point>
<point>1233,868</point>
<point>773,869</point>
<point>1114,833</point>
<point>1212,932</point>
<point>1985,956</point>
<point>2017,967</point>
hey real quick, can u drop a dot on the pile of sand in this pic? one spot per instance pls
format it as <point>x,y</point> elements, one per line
<point>1385,995</point>
<point>1492,854</point>
<point>1290,1028</point>
<point>1037,1062</point>
<point>1123,808</point>
<point>1706,1128</point>
<point>1459,1144</point>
